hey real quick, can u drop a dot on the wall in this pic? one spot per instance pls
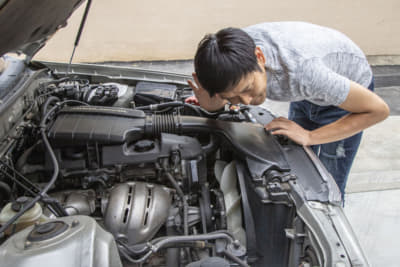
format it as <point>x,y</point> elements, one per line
<point>161,30</point>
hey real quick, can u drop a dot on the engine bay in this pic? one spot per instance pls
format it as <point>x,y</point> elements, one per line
<point>147,167</point>
<point>109,170</point>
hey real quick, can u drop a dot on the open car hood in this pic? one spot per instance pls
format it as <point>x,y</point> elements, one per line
<point>25,26</point>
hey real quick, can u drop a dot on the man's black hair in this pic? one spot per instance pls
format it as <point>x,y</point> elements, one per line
<point>224,58</point>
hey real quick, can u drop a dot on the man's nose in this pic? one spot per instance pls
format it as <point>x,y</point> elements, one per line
<point>246,99</point>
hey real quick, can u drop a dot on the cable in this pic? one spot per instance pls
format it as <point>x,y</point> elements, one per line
<point>57,106</point>
<point>235,259</point>
<point>198,110</point>
<point>48,102</point>
<point>133,250</point>
<point>169,104</point>
<point>203,217</point>
<point>129,258</point>
<point>43,192</point>
<point>182,196</point>
<point>19,214</point>
<point>5,188</point>
<point>170,240</point>
<point>178,239</point>
<point>50,202</point>
<point>18,182</point>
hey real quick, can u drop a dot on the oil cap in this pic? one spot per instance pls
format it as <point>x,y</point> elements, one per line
<point>144,146</point>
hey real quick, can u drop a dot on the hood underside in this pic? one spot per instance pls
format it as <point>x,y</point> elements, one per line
<point>26,25</point>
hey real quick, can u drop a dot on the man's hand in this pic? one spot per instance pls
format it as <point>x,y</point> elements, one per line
<point>365,107</point>
<point>290,129</point>
<point>192,100</point>
<point>203,97</point>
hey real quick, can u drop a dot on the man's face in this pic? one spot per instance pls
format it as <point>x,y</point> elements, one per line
<point>251,89</point>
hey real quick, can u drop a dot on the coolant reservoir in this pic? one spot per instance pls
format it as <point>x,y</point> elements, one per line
<point>30,217</point>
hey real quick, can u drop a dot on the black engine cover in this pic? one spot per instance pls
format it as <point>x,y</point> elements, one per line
<point>101,125</point>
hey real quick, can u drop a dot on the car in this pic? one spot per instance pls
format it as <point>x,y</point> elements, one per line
<point>106,166</point>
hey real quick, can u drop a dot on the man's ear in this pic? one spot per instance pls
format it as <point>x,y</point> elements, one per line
<point>260,56</point>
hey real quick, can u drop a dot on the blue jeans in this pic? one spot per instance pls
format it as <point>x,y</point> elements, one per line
<point>338,156</point>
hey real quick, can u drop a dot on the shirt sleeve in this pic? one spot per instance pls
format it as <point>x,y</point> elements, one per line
<point>321,85</point>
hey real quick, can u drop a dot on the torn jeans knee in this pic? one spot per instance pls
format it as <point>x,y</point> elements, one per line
<point>337,160</point>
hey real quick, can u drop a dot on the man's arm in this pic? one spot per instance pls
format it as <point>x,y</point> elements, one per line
<point>366,109</point>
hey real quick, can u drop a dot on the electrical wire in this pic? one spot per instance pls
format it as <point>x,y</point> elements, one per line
<point>182,196</point>
<point>154,246</point>
<point>198,110</point>
<point>233,258</point>
<point>43,192</point>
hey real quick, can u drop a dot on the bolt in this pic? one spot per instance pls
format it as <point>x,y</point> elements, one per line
<point>75,223</point>
<point>236,243</point>
<point>28,244</point>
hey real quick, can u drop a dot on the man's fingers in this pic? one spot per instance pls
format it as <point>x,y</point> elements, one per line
<point>190,83</point>
<point>281,119</point>
<point>280,132</point>
<point>192,100</point>
<point>279,123</point>
<point>274,125</point>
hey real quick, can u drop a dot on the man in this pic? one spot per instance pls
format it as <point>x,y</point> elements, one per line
<point>320,71</point>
